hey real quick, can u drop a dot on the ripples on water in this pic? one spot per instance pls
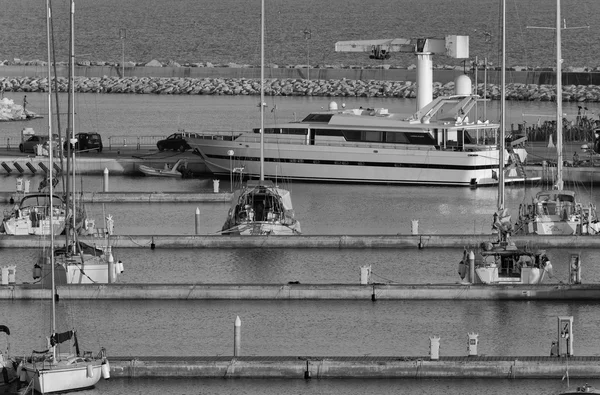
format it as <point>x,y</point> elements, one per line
<point>228,31</point>
<point>295,327</point>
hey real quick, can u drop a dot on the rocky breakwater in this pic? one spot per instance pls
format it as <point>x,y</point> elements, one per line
<point>291,87</point>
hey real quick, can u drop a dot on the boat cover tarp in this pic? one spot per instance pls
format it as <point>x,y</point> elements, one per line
<point>58,338</point>
<point>4,328</point>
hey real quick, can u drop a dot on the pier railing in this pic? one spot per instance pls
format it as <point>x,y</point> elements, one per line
<point>136,142</point>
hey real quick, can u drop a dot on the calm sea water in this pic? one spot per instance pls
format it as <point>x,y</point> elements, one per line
<point>294,327</point>
<point>229,30</point>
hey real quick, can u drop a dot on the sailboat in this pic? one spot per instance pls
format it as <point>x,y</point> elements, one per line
<point>7,365</point>
<point>50,370</point>
<point>557,211</point>
<point>77,262</point>
<point>501,261</point>
<point>260,207</point>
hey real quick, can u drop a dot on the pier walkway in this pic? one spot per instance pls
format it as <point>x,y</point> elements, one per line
<point>325,367</point>
<point>297,291</point>
<point>398,241</point>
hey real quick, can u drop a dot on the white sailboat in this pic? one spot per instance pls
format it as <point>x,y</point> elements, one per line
<point>557,211</point>
<point>76,262</point>
<point>501,261</point>
<point>261,207</point>
<point>50,370</point>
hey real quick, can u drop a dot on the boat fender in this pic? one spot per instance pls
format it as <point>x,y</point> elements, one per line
<point>23,376</point>
<point>462,269</point>
<point>37,271</point>
<point>549,269</point>
<point>152,245</point>
<point>90,371</point>
<point>105,369</point>
<point>421,246</point>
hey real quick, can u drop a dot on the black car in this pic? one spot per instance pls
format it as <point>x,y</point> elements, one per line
<point>87,142</point>
<point>175,142</point>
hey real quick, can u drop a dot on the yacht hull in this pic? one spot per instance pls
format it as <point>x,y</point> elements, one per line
<point>352,164</point>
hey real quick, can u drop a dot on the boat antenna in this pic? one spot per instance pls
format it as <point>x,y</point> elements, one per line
<point>559,135</point>
<point>502,113</point>
<point>262,90</point>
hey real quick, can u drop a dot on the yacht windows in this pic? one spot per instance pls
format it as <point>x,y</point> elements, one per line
<point>317,118</point>
<point>296,131</point>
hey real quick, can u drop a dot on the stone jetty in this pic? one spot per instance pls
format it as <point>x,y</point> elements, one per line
<point>291,87</point>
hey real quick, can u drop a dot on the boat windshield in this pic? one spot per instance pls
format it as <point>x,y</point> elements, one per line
<point>40,200</point>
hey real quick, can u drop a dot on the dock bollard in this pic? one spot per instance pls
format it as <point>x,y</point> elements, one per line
<point>471,267</point>
<point>237,337</point>
<point>216,186</point>
<point>365,275</point>
<point>197,220</point>
<point>473,342</point>
<point>434,348</point>
<point>414,228</point>
<point>105,181</point>
<point>111,266</point>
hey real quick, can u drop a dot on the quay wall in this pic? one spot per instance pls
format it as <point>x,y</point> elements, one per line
<point>398,241</point>
<point>357,367</point>
<point>293,291</point>
<point>522,85</point>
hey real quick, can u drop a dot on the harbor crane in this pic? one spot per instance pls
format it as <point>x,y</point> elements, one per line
<point>452,46</point>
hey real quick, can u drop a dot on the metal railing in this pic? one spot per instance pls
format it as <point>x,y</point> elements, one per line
<point>136,142</point>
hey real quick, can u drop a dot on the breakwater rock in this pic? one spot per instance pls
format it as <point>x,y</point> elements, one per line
<point>291,87</point>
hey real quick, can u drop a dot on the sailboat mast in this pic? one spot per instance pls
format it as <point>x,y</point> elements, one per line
<point>50,167</point>
<point>502,114</point>
<point>262,90</point>
<point>559,136</point>
<point>72,115</point>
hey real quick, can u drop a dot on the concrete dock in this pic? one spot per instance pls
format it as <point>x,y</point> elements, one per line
<point>140,197</point>
<point>296,291</point>
<point>324,367</point>
<point>399,241</point>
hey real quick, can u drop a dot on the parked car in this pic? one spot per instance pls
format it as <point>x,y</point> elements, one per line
<point>34,140</point>
<point>175,142</point>
<point>29,144</point>
<point>87,142</point>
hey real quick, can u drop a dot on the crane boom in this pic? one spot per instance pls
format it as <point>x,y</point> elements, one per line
<point>452,46</point>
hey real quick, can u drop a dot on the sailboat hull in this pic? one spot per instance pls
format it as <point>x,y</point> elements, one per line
<point>58,378</point>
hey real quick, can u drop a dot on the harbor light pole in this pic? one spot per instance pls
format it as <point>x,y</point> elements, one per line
<point>230,153</point>
<point>123,36</point>
<point>307,37</point>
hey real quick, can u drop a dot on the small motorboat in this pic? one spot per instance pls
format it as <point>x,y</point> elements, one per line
<point>167,171</point>
<point>585,389</point>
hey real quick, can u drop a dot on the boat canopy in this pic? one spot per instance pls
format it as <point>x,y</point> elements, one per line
<point>265,187</point>
<point>4,328</point>
<point>40,199</point>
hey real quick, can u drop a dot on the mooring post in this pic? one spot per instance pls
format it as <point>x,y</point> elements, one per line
<point>197,220</point>
<point>105,181</point>
<point>237,336</point>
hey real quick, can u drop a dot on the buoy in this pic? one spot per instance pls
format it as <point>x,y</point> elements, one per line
<point>90,371</point>
<point>105,370</point>
<point>37,271</point>
<point>307,374</point>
